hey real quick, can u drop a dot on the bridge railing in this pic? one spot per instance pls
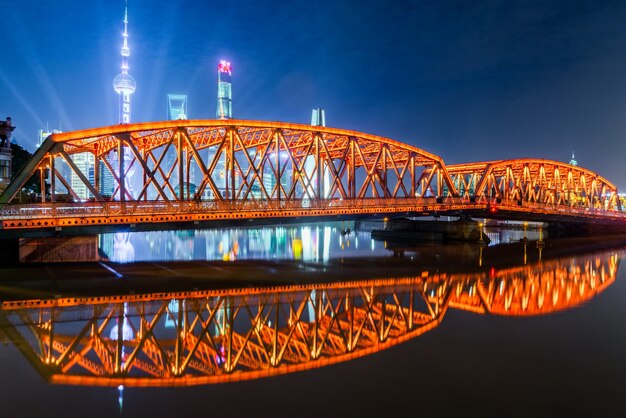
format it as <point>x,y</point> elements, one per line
<point>113,208</point>
<point>569,210</point>
<point>330,206</point>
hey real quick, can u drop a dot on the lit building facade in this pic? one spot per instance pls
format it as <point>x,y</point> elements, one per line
<point>318,118</point>
<point>176,106</point>
<point>6,156</point>
<point>85,163</point>
<point>44,133</point>
<point>177,109</point>
<point>224,92</point>
<point>224,111</point>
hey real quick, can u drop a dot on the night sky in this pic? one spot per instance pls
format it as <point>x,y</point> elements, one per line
<point>467,80</point>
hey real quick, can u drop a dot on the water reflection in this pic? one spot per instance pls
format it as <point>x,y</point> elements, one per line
<point>314,242</point>
<point>213,336</point>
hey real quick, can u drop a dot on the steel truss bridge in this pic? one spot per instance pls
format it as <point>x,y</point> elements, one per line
<point>200,337</point>
<point>206,171</point>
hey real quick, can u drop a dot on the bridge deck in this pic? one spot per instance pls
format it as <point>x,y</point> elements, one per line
<point>62,218</point>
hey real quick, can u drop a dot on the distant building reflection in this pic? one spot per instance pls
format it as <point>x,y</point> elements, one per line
<point>214,336</point>
<point>123,249</point>
<point>315,242</point>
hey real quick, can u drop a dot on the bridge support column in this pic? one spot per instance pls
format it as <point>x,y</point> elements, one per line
<point>181,170</point>
<point>318,167</point>
<point>96,173</point>
<point>413,185</point>
<point>231,163</point>
<point>122,169</point>
<point>277,174</point>
<point>53,179</point>
<point>42,184</point>
<point>352,171</point>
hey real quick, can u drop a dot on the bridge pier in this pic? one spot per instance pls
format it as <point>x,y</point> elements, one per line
<point>59,249</point>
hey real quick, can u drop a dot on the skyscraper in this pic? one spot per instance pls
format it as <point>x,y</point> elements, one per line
<point>43,134</point>
<point>124,84</point>
<point>224,93</point>
<point>84,161</point>
<point>318,117</point>
<point>176,106</point>
<point>176,110</point>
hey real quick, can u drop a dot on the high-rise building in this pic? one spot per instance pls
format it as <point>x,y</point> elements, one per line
<point>176,110</point>
<point>176,106</point>
<point>107,184</point>
<point>224,111</point>
<point>61,166</point>
<point>224,93</point>
<point>6,156</point>
<point>85,163</point>
<point>124,84</point>
<point>44,133</point>
<point>269,177</point>
<point>318,117</point>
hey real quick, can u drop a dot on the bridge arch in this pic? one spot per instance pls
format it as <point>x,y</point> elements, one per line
<point>196,160</point>
<point>533,180</point>
<point>210,172</point>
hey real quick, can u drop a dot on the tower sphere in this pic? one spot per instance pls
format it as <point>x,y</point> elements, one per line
<point>124,83</point>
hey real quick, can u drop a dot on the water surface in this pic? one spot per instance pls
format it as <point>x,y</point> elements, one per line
<point>513,330</point>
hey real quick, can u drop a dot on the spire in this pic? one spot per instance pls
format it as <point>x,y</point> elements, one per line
<point>124,84</point>
<point>125,52</point>
<point>573,160</point>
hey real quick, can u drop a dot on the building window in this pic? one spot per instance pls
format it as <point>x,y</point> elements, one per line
<point>5,169</point>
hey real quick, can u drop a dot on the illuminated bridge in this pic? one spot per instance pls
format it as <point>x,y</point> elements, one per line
<point>206,172</point>
<point>215,336</point>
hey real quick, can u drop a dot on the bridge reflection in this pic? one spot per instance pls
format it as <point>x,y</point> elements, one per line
<point>200,337</point>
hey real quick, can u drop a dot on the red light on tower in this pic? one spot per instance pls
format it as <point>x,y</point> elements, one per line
<point>223,66</point>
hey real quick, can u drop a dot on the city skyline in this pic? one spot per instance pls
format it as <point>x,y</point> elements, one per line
<point>467,82</point>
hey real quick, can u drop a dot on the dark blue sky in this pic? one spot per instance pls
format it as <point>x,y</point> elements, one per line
<point>467,80</point>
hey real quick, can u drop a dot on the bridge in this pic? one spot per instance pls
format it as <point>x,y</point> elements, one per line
<point>201,173</point>
<point>217,336</point>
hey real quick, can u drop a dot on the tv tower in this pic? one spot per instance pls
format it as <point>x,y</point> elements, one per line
<point>124,84</point>
<point>224,94</point>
